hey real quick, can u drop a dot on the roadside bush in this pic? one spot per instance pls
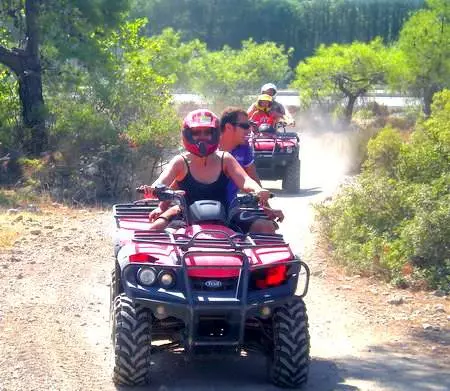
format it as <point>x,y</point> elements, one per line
<point>9,108</point>
<point>394,221</point>
<point>383,152</point>
<point>109,127</point>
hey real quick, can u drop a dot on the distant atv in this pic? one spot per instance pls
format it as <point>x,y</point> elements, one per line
<point>277,155</point>
<point>205,287</point>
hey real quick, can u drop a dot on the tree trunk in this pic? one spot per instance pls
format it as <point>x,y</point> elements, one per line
<point>26,65</point>
<point>33,108</point>
<point>348,113</point>
<point>428,98</point>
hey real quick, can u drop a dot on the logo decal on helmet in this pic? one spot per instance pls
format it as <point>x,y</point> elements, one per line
<point>204,119</point>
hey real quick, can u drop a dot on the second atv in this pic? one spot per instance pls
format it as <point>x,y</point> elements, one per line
<point>277,155</point>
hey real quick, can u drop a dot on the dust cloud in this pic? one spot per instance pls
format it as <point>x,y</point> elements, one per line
<point>330,151</point>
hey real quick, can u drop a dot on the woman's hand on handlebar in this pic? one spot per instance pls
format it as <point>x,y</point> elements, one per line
<point>274,214</point>
<point>263,196</point>
<point>148,191</point>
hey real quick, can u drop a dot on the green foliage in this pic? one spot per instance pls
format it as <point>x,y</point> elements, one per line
<point>394,221</point>
<point>230,74</point>
<point>110,125</point>
<point>303,25</point>
<point>427,157</point>
<point>344,72</point>
<point>71,29</point>
<point>138,100</point>
<point>9,107</point>
<point>383,152</point>
<point>422,62</point>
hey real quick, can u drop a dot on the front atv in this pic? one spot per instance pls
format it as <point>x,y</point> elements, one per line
<point>205,287</point>
<point>277,156</point>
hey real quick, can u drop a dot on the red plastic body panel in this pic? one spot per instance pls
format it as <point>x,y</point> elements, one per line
<point>201,254</point>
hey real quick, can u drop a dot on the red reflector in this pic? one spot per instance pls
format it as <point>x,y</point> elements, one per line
<point>142,258</point>
<point>275,276</point>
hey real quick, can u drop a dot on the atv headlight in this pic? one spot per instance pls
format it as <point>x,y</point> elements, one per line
<point>166,279</point>
<point>146,275</point>
<point>289,149</point>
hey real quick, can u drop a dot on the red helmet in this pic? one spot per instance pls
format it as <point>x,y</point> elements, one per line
<point>201,118</point>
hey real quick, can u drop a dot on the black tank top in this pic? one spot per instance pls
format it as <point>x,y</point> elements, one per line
<point>197,191</point>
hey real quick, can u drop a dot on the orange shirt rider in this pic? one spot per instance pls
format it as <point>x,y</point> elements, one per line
<point>260,111</point>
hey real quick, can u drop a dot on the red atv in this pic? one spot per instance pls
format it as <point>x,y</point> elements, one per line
<point>277,154</point>
<point>205,287</point>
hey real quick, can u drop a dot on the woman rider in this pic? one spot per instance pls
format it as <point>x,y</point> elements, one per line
<point>203,172</point>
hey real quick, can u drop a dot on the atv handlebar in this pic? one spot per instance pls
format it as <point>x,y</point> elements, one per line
<point>162,193</point>
<point>251,199</point>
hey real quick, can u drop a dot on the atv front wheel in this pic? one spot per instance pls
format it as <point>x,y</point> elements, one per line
<point>291,178</point>
<point>289,361</point>
<point>116,285</point>
<point>132,342</point>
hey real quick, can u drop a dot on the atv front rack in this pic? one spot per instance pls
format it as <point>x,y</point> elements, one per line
<point>234,242</point>
<point>139,211</point>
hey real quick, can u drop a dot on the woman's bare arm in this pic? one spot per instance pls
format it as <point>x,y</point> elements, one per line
<point>173,171</point>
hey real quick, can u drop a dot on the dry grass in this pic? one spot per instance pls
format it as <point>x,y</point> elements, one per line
<point>10,230</point>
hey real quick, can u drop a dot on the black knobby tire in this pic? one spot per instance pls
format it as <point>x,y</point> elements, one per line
<point>291,178</point>
<point>132,342</point>
<point>116,285</point>
<point>117,247</point>
<point>115,288</point>
<point>289,361</point>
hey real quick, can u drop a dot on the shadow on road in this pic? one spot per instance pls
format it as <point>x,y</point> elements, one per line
<point>390,369</point>
<point>378,368</point>
<point>438,338</point>
<point>172,373</point>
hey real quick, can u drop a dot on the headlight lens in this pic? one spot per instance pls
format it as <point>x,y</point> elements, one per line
<point>167,279</point>
<point>146,275</point>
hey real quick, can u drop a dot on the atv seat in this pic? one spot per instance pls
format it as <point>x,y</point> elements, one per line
<point>207,210</point>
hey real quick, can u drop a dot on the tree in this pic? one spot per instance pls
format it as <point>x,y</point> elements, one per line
<point>423,63</point>
<point>230,74</point>
<point>342,72</point>
<point>302,24</point>
<point>60,24</point>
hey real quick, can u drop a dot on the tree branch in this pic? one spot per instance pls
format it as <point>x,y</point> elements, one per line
<point>10,59</point>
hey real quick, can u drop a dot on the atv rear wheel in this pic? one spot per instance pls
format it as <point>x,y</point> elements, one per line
<point>289,361</point>
<point>132,342</point>
<point>291,178</point>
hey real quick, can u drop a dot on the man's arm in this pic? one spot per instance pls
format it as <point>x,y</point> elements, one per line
<point>251,172</point>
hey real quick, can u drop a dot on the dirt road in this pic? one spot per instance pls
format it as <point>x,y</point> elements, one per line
<point>54,311</point>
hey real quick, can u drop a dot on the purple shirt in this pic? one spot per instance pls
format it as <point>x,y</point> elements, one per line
<point>244,156</point>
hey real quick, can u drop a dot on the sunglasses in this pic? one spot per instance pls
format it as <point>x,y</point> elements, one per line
<point>243,125</point>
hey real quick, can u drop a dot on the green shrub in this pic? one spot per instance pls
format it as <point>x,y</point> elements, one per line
<point>394,221</point>
<point>383,152</point>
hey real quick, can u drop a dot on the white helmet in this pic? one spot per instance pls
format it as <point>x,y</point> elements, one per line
<point>269,86</point>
